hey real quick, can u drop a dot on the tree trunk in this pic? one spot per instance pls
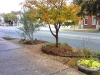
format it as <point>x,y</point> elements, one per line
<point>57,30</point>
<point>57,40</point>
<point>57,27</point>
<point>55,35</point>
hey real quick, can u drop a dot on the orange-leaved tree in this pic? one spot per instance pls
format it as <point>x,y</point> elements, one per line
<point>55,12</point>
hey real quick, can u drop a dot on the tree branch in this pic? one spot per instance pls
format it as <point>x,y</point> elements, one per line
<point>55,26</point>
<point>59,26</point>
<point>51,31</point>
<point>61,3</point>
<point>53,3</point>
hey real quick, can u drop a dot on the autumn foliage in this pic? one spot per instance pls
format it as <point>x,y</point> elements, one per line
<point>55,12</point>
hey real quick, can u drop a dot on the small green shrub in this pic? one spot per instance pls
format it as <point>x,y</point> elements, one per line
<point>65,44</point>
<point>7,37</point>
<point>98,53</point>
<point>48,44</point>
<point>52,43</point>
<point>59,43</point>
<point>87,53</point>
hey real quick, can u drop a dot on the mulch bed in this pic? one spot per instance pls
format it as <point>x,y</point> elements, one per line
<point>61,50</point>
<point>28,42</point>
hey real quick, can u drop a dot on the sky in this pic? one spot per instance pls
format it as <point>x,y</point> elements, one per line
<point>7,6</point>
<point>69,1</point>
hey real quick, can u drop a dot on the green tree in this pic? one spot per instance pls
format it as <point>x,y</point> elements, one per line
<point>9,17</point>
<point>5,17</point>
<point>78,2</point>
<point>90,7</point>
<point>54,12</point>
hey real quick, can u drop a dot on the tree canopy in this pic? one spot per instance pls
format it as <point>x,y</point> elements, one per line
<point>9,17</point>
<point>90,7</point>
<point>55,12</point>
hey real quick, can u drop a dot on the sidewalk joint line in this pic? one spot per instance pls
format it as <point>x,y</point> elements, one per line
<point>58,71</point>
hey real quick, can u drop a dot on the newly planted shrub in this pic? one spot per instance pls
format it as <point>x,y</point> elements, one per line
<point>98,55</point>
<point>29,27</point>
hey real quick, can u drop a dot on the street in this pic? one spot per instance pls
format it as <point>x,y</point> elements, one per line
<point>76,39</point>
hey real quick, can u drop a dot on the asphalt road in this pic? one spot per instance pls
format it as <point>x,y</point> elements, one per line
<point>76,39</point>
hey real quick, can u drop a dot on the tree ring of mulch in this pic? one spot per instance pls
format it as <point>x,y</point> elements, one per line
<point>28,42</point>
<point>62,50</point>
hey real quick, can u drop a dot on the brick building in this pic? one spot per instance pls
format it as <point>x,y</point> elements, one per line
<point>90,22</point>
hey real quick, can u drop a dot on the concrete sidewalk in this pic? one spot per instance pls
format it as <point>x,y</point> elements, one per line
<point>15,60</point>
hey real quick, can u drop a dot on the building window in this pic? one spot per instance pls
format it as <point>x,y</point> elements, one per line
<point>93,20</point>
<point>85,20</point>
